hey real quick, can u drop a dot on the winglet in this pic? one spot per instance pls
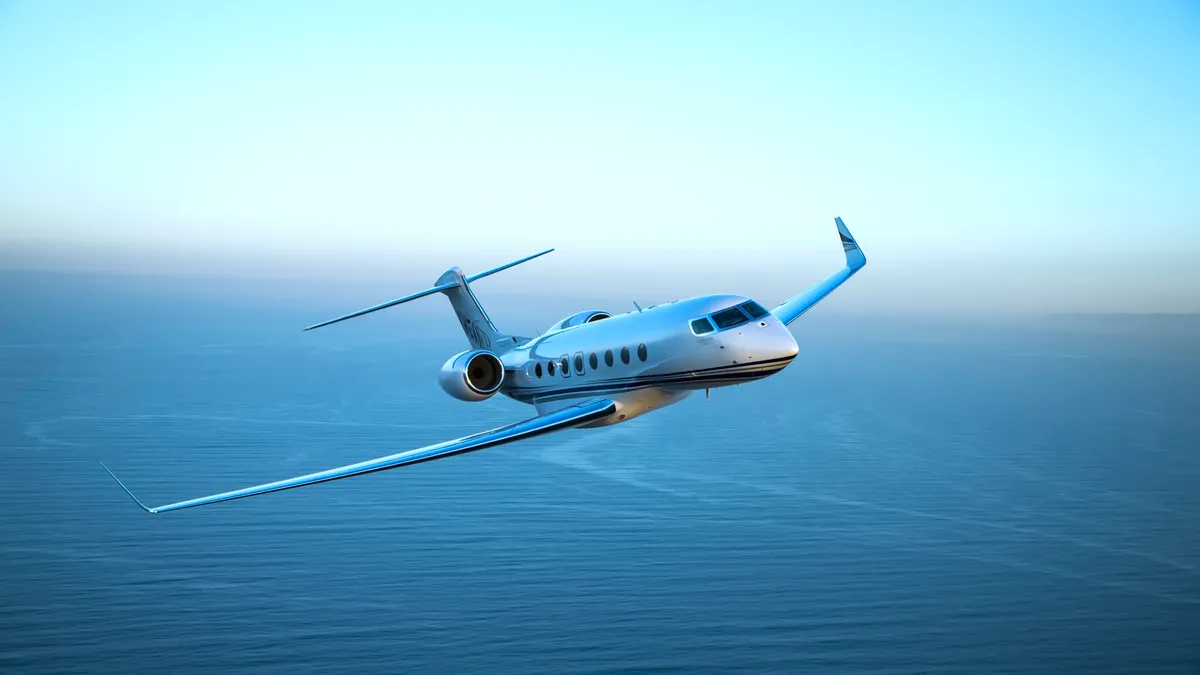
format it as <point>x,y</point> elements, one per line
<point>854,255</point>
<point>137,501</point>
<point>792,308</point>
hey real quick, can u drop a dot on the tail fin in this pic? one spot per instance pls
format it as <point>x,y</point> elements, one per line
<point>480,330</point>
<point>476,324</point>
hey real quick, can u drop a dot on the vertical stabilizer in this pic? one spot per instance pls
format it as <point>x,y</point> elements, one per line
<point>478,327</point>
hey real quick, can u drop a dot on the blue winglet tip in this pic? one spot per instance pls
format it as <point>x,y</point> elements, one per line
<point>854,255</point>
<point>841,226</point>
<point>137,501</point>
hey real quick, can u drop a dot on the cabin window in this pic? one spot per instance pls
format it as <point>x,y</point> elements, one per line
<point>565,364</point>
<point>550,368</point>
<point>608,358</point>
<point>625,355</point>
<point>729,318</point>
<point>579,363</point>
<point>701,326</point>
<point>537,370</point>
<point>593,361</point>
<point>642,354</point>
<point>754,309</point>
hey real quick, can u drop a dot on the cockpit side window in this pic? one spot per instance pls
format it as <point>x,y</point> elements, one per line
<point>754,309</point>
<point>729,318</point>
<point>702,325</point>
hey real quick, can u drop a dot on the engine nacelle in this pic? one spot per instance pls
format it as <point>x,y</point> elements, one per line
<point>581,318</point>
<point>472,376</point>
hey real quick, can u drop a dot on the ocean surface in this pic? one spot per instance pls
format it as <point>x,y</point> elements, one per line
<point>912,494</point>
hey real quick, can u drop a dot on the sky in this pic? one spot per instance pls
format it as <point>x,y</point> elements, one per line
<point>989,157</point>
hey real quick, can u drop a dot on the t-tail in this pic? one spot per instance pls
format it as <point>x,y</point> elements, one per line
<point>475,322</point>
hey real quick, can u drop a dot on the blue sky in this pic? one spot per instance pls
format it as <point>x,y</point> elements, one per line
<point>989,157</point>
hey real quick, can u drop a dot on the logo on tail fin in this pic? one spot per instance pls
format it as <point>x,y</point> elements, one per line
<point>477,337</point>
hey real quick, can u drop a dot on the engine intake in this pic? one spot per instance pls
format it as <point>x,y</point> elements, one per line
<point>472,376</point>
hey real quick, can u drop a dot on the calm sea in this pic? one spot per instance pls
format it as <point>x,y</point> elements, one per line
<point>910,495</point>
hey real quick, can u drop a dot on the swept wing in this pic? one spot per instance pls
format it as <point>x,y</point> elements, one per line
<point>574,416</point>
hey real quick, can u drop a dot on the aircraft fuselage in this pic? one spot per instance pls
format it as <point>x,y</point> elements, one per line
<point>647,359</point>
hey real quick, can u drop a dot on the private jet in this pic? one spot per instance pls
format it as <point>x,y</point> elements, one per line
<point>592,369</point>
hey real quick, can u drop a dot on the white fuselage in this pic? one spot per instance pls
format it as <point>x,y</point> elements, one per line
<point>645,359</point>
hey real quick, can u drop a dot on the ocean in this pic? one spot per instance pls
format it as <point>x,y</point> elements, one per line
<point>912,494</point>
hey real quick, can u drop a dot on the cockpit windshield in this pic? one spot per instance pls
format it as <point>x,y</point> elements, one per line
<point>729,318</point>
<point>754,309</point>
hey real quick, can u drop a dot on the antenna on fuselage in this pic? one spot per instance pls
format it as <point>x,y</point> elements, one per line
<point>638,306</point>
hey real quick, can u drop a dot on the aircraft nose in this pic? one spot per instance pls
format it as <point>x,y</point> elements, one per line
<point>765,341</point>
<point>786,346</point>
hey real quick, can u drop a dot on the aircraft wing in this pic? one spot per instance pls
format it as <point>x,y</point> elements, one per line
<point>562,419</point>
<point>791,310</point>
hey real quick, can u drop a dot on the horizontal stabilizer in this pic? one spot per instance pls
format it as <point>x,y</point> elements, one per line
<point>428,291</point>
<point>501,268</point>
<point>392,303</point>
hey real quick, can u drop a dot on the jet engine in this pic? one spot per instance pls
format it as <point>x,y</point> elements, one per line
<point>472,376</point>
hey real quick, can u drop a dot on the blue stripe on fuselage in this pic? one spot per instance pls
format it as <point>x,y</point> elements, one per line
<point>730,374</point>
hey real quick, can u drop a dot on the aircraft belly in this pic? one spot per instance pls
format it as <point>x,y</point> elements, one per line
<point>630,404</point>
<point>701,380</point>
